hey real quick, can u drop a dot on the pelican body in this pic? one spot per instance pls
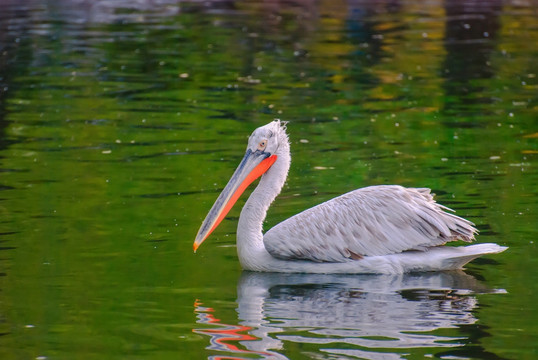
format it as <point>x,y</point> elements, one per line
<point>378,229</point>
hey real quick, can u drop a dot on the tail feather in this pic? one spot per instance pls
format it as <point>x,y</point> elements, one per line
<point>440,258</point>
<point>464,254</point>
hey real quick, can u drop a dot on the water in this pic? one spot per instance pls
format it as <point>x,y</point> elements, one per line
<point>121,121</point>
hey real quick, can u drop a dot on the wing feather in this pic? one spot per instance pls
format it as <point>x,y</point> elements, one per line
<point>376,220</point>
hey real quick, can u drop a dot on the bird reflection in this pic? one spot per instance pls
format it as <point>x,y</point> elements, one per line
<point>225,335</point>
<point>347,316</point>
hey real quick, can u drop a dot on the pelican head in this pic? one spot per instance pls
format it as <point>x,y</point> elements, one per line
<point>260,156</point>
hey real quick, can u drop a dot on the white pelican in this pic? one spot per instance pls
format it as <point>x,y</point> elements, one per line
<point>377,229</point>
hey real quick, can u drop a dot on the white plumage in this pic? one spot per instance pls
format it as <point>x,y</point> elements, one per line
<point>376,220</point>
<point>377,229</point>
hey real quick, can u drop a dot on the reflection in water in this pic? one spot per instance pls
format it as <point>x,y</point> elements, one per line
<point>222,336</point>
<point>470,40</point>
<point>357,316</point>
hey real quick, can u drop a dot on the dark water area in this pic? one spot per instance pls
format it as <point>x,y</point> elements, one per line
<point>121,121</point>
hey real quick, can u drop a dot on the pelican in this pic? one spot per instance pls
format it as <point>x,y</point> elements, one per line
<point>384,229</point>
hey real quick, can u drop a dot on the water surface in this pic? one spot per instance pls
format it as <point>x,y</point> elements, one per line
<point>121,121</point>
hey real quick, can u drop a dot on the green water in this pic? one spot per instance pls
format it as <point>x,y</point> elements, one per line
<point>120,122</point>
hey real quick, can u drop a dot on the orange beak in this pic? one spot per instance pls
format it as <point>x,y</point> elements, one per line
<point>253,165</point>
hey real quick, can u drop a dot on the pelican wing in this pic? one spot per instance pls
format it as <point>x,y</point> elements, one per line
<point>376,220</point>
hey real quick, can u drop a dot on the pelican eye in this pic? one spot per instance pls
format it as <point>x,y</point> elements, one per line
<point>262,145</point>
